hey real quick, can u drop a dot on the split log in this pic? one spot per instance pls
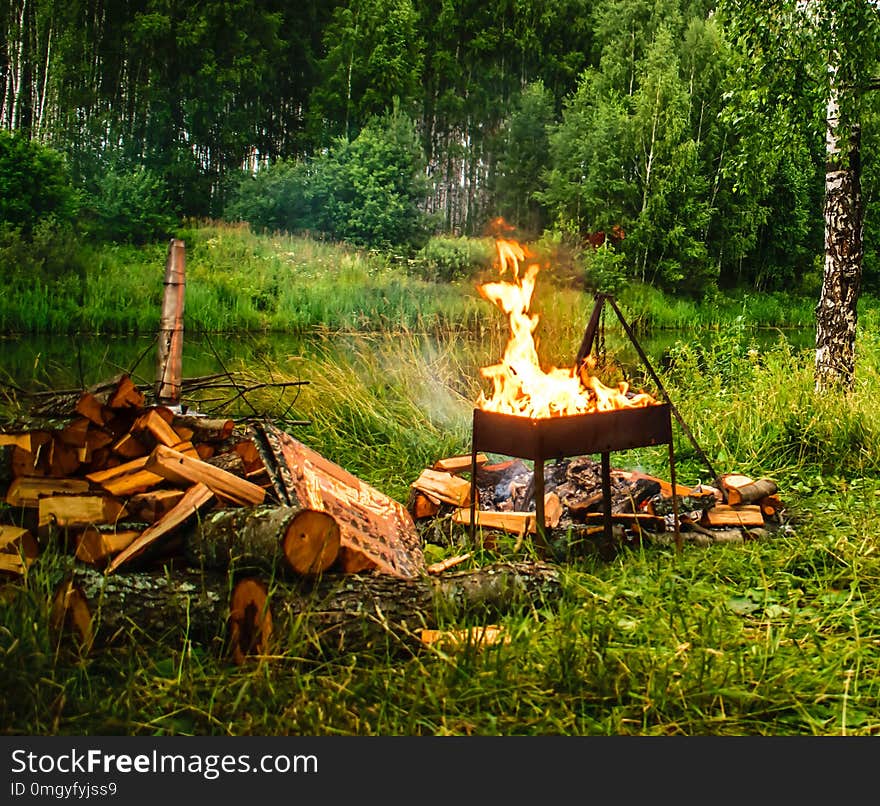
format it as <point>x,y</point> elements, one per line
<point>376,532</point>
<point>515,522</point>
<point>747,516</point>
<point>264,538</point>
<point>127,478</point>
<point>471,637</point>
<point>26,491</point>
<point>640,520</point>
<point>156,425</point>
<point>422,505</point>
<point>752,492</point>
<point>79,510</point>
<point>96,547</point>
<point>334,612</point>
<point>196,499</point>
<point>152,505</point>
<point>185,470</point>
<point>18,440</point>
<point>459,464</point>
<point>445,486</point>
<point>203,429</point>
<point>18,542</point>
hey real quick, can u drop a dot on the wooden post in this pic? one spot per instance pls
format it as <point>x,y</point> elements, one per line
<point>170,348</point>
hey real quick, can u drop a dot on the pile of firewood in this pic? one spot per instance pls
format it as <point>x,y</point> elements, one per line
<point>641,505</point>
<point>180,524</point>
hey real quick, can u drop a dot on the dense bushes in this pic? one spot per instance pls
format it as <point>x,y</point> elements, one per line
<point>366,192</point>
<point>34,185</point>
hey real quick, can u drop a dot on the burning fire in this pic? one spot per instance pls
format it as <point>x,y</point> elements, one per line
<point>520,386</point>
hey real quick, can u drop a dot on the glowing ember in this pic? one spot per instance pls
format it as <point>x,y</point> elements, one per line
<point>520,386</point>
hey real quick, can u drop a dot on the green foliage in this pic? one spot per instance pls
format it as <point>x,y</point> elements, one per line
<point>447,259</point>
<point>34,184</point>
<point>365,192</point>
<point>524,158</point>
<point>130,206</point>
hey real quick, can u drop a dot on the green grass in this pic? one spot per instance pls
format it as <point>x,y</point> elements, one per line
<point>241,282</point>
<point>779,635</point>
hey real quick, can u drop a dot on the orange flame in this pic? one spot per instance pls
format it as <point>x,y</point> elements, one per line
<point>519,384</point>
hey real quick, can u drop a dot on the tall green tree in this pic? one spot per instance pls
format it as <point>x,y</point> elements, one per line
<point>835,43</point>
<point>372,56</point>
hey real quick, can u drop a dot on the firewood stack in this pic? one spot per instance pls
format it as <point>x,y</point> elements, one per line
<point>641,504</point>
<point>123,484</point>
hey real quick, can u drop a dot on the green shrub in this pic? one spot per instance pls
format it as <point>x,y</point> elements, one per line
<point>131,206</point>
<point>445,258</point>
<point>34,184</point>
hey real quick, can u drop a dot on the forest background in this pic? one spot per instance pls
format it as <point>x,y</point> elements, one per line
<point>638,126</point>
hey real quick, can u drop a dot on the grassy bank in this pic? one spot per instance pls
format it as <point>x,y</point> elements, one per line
<point>775,636</point>
<point>239,282</point>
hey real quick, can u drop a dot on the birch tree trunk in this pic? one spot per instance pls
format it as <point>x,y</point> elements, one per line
<point>836,312</point>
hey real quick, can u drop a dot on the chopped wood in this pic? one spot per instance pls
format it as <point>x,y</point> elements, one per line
<point>515,522</point>
<point>450,562</point>
<point>26,491</point>
<point>377,532</point>
<point>153,504</point>
<point>653,523</point>
<point>265,538</point>
<point>746,515</point>
<point>202,428</point>
<point>230,461</point>
<point>97,438</point>
<point>75,433</point>
<point>205,450</point>
<point>421,505</point>
<point>552,510</point>
<point>771,505</point>
<point>95,547</point>
<point>250,455</point>
<point>22,441</point>
<point>63,459</point>
<point>14,564</point>
<point>127,478</point>
<point>90,407</point>
<point>459,464</point>
<point>130,447</point>
<point>186,448</point>
<point>79,510</point>
<point>126,395</point>
<point>34,462</point>
<point>154,423</point>
<point>196,498</point>
<point>731,481</point>
<point>445,486</point>
<point>665,486</point>
<point>181,469</point>
<point>250,620</point>
<point>751,493</point>
<point>18,541</point>
<point>476,637</point>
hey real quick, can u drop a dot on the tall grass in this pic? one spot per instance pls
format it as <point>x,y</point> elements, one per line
<point>779,635</point>
<point>239,281</point>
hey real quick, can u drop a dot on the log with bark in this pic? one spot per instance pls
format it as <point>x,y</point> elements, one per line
<point>264,538</point>
<point>335,612</point>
